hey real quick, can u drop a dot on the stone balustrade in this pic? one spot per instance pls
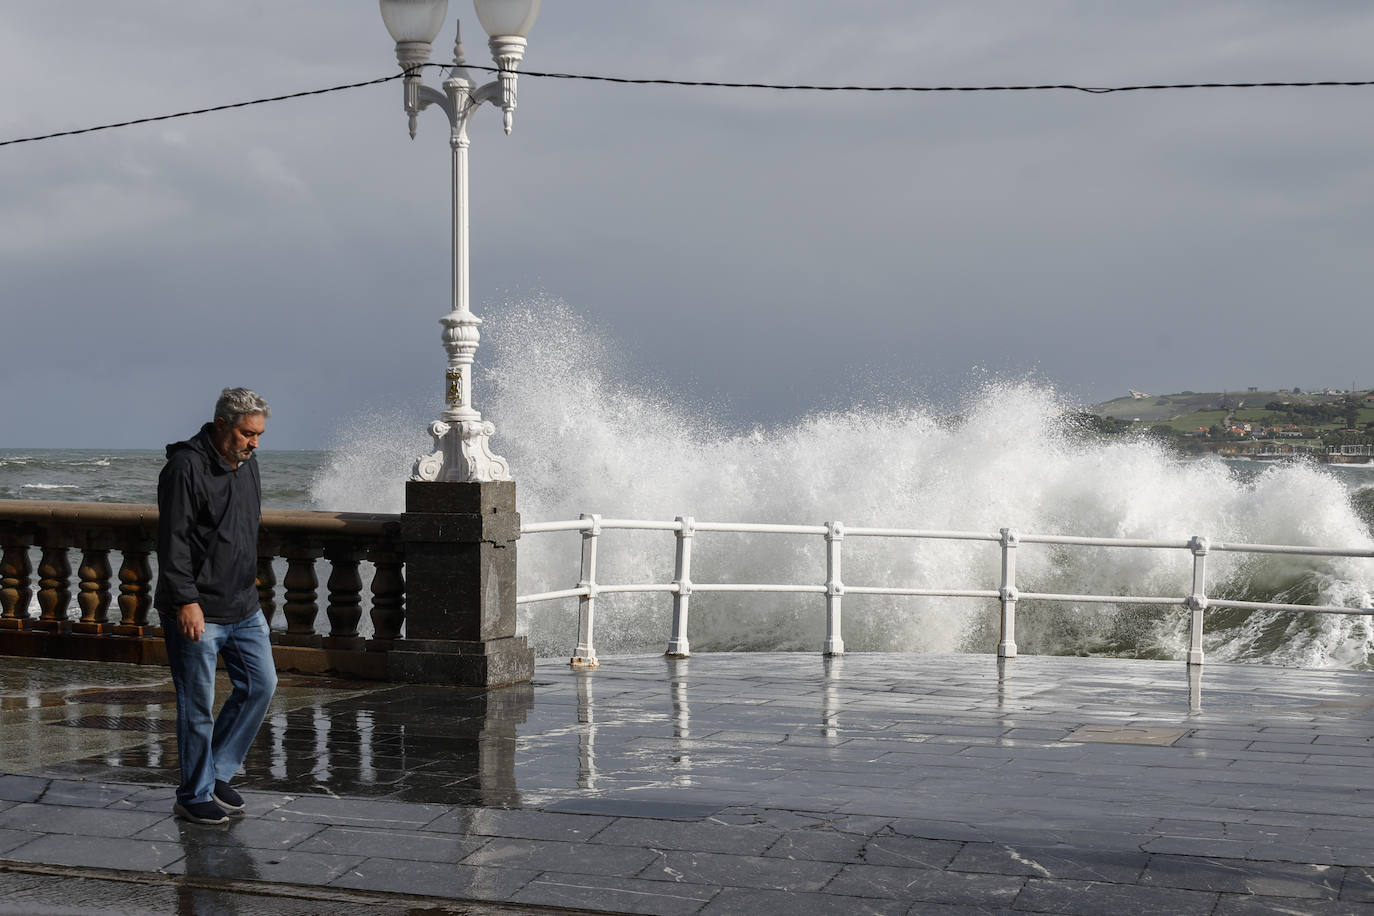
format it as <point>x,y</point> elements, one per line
<point>111,617</point>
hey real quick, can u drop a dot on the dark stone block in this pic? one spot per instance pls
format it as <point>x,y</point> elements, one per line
<point>489,498</point>
<point>460,591</point>
<point>457,529</point>
<point>493,663</point>
<point>460,582</point>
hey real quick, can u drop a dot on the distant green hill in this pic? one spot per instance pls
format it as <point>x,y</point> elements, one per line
<point>1164,407</point>
<point>1189,410</point>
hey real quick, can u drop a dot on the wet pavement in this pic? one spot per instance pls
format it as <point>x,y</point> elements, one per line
<point>723,784</point>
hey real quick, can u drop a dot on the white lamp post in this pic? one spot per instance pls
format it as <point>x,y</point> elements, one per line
<point>462,451</point>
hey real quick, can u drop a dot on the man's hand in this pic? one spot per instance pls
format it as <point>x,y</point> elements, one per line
<point>191,622</point>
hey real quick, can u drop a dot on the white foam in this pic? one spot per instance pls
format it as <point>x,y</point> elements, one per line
<point>582,438</point>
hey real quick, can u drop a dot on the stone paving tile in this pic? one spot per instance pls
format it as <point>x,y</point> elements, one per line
<point>1300,819</point>
<point>1084,864</point>
<point>1032,733</point>
<point>252,832</point>
<point>942,830</point>
<point>1276,879</point>
<point>962,888</point>
<point>21,788</point>
<point>359,812</point>
<point>412,846</point>
<point>1310,854</point>
<point>910,852</point>
<point>1343,838</point>
<point>275,866</point>
<point>819,845</point>
<point>1236,905</point>
<point>1359,884</point>
<point>520,823</point>
<point>1220,747</point>
<point>648,808</point>
<point>1261,833</point>
<point>85,794</point>
<point>12,839</point>
<point>734,901</point>
<point>94,822</point>
<point>1199,846</point>
<point>676,835</point>
<point>580,858</point>
<point>621,895</point>
<point>740,871</point>
<point>784,819</point>
<point>1086,898</point>
<point>97,852</point>
<point>1101,838</point>
<point>435,879</point>
<point>1360,741</point>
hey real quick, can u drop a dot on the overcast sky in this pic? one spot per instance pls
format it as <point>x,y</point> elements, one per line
<point>774,252</point>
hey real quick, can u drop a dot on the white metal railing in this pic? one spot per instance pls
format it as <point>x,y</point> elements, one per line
<point>682,587</point>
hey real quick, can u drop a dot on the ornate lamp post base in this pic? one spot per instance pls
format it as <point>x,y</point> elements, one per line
<point>462,454</point>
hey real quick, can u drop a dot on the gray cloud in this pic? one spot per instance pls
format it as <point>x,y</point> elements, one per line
<point>780,252</point>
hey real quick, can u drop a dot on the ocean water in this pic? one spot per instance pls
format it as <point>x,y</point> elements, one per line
<point>130,476</point>
<point>582,435</point>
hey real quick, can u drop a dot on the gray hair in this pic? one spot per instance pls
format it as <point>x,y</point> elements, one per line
<point>236,403</point>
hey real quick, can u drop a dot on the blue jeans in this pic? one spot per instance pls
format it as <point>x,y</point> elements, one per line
<point>213,747</point>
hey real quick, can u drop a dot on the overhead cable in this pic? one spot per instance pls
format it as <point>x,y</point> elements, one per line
<point>713,84</point>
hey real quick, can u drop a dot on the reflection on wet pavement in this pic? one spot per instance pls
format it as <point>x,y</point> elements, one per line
<point>730,778</point>
<point>650,726</point>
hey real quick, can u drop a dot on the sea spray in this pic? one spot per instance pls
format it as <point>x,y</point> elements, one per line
<point>581,436</point>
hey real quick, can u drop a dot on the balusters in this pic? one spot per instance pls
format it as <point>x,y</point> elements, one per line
<point>267,584</point>
<point>345,597</point>
<point>388,596</point>
<point>16,573</point>
<point>115,569</point>
<point>302,588</point>
<point>93,595</point>
<point>54,587</point>
<point>135,589</point>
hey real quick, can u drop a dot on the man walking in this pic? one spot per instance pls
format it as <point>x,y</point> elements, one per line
<point>209,499</point>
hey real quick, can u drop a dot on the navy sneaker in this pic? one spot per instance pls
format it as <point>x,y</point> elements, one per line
<point>200,812</point>
<point>227,798</point>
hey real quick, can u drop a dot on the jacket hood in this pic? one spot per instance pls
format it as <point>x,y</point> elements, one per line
<point>201,442</point>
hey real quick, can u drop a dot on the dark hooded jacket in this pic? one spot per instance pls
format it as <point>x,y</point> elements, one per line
<point>207,531</point>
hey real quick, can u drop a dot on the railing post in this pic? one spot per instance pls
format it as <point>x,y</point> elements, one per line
<point>135,587</point>
<point>16,574</point>
<point>1006,645</point>
<point>267,576</point>
<point>54,585</point>
<point>678,646</point>
<point>388,596</point>
<point>585,654</point>
<point>302,590</point>
<point>1197,601</point>
<point>834,588</point>
<point>345,596</point>
<point>93,589</point>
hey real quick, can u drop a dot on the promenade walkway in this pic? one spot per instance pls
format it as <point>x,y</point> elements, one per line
<point>724,784</point>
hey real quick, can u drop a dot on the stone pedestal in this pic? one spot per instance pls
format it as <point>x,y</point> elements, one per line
<point>460,587</point>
